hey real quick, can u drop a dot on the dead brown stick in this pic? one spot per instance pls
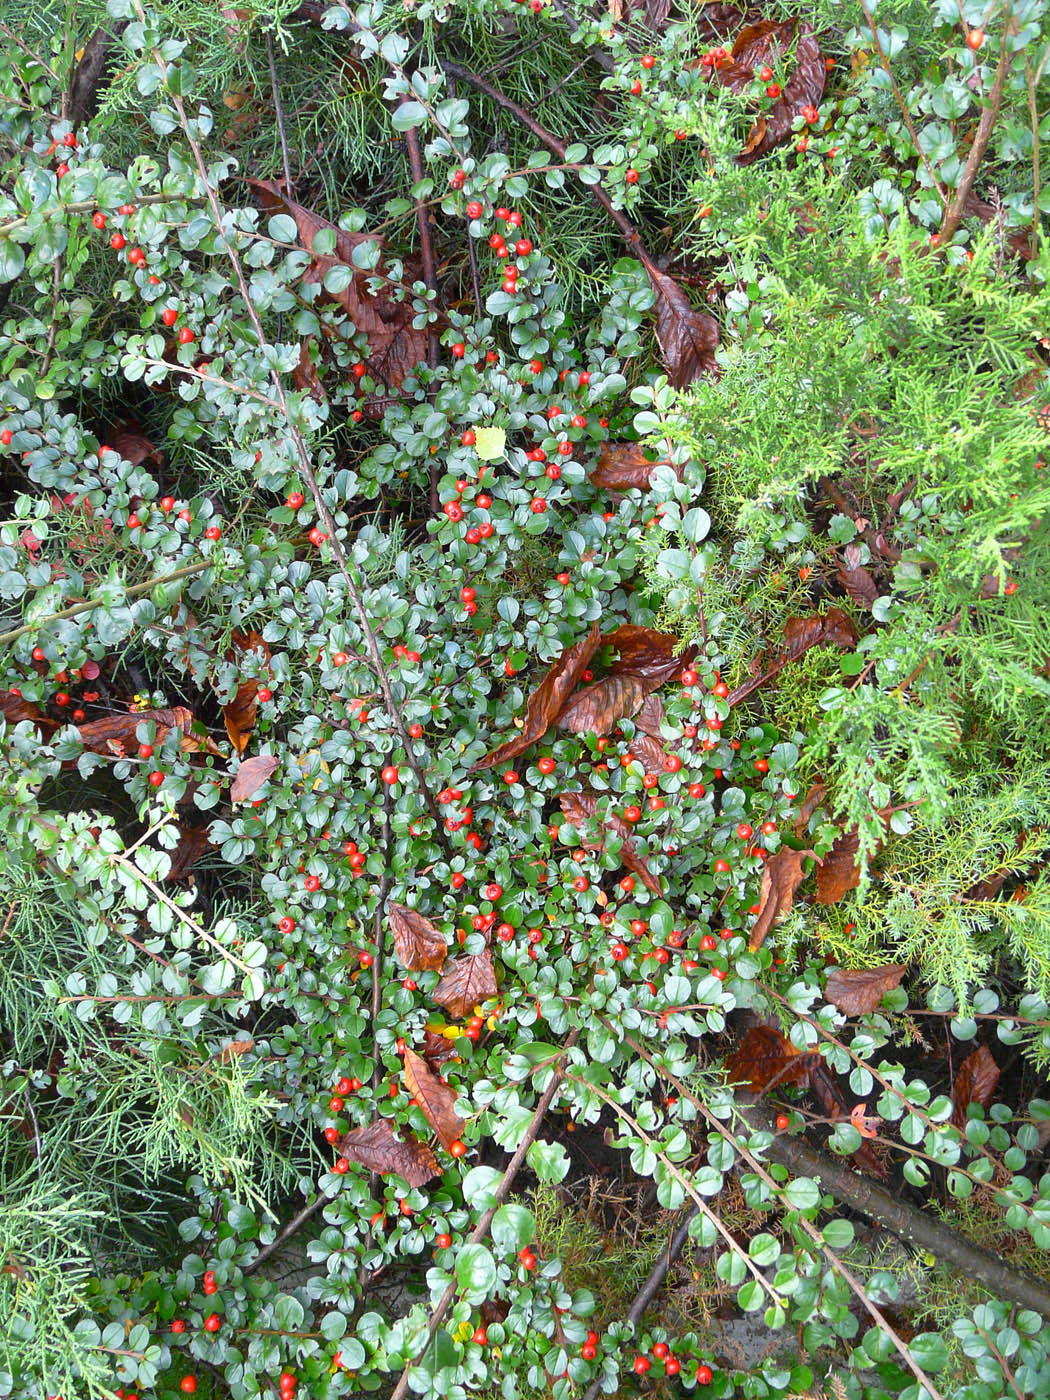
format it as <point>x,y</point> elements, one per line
<point>985,127</point>
<point>500,1194</point>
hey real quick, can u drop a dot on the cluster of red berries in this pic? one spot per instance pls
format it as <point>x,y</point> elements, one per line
<point>714,58</point>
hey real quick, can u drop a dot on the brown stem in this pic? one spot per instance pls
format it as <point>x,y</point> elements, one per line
<point>600,57</point>
<point>353,585</point>
<point>527,120</point>
<point>501,1193</point>
<point>980,141</point>
<point>294,1225</point>
<point>279,113</point>
<point>901,104</point>
<point>78,608</point>
<point>854,1189</point>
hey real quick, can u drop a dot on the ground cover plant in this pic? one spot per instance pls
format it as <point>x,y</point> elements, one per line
<point>523,593</point>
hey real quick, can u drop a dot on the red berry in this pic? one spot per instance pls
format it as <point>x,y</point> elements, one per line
<point>588,1351</point>
<point>581,883</point>
<point>188,1384</point>
<point>167,504</point>
<point>341,1167</point>
<point>688,677</point>
<point>443,1241</point>
<point>213,532</point>
<point>631,177</point>
<point>178,1326</point>
<point>286,925</point>
<point>458,1148</point>
<point>765,73</point>
<point>975,39</point>
<point>331,1134</point>
<point>116,242</point>
<point>773,90</point>
<point>703,1375</point>
<point>783,1122</point>
<point>481,1336</point>
<point>169,315</point>
<point>510,777</point>
<point>636,87</point>
<point>641,1365</point>
<point>672,1366</point>
<point>661,1351</point>
<point>459,349</point>
<point>474,210</point>
<point>212,1323</point>
<point>648,60</point>
<point>185,336</point>
<point>546,765</point>
<point>469,438</point>
<point>761,765</point>
<point>98,219</point>
<point>155,779</point>
<point>390,774</point>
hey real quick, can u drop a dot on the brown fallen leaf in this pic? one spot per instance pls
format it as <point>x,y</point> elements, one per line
<point>642,651</point>
<point>115,734</point>
<point>579,807</point>
<point>547,701</point>
<point>193,842</point>
<point>859,992</point>
<point>839,872</point>
<point>251,775</point>
<point>649,752</point>
<point>834,628</point>
<point>781,877</point>
<point>466,982</point>
<point>623,466</point>
<point>14,710</point>
<point>436,1098</point>
<point>765,1058</point>
<point>305,375</point>
<point>599,707</point>
<point>650,716</point>
<point>769,42</point>
<point>857,581</point>
<point>437,1048</point>
<point>869,1156</point>
<point>233,1050</point>
<point>688,338</point>
<point>377,1147</point>
<point>420,946</point>
<point>395,345</point>
<point>239,713</point>
<point>975,1082</point>
<point>133,445</point>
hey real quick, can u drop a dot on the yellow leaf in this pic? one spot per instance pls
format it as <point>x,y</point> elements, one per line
<point>491,444</point>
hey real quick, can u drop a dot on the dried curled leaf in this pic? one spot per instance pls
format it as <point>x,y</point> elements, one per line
<point>781,877</point>
<point>234,1049</point>
<point>580,807</point>
<point>114,734</point>
<point>840,872</point>
<point>598,707</point>
<point>420,946</point>
<point>395,345</point>
<point>133,445</point>
<point>437,1048</point>
<point>548,700</point>
<point>467,981</point>
<point>377,1147</point>
<point>859,991</point>
<point>975,1082</point>
<point>623,466</point>
<point>251,775</point>
<point>239,713</point>
<point>436,1098</point>
<point>765,1058</point>
<point>688,338</point>
<point>656,656</point>
<point>193,842</point>
<point>649,752</point>
<point>767,42</point>
<point>14,710</point>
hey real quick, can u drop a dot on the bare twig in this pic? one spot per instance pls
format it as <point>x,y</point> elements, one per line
<point>351,578</point>
<point>901,104</point>
<point>294,1225</point>
<point>985,126</point>
<point>500,1195</point>
<point>279,113</point>
<point>77,608</point>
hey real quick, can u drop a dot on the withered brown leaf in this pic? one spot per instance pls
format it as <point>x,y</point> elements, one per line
<point>858,992</point>
<point>193,842</point>
<point>305,375</point>
<point>14,709</point>
<point>579,807</point>
<point>598,707</point>
<point>859,583</point>
<point>643,651</point>
<point>239,713</point>
<point>467,981</point>
<point>395,345</point>
<point>650,716</point>
<point>649,752</point>
<point>133,445</point>
<point>688,338</point>
<point>436,1098</point>
<point>547,701</point>
<point>781,877</point>
<point>623,466</point>
<point>437,1048</point>
<point>251,775</point>
<point>377,1147</point>
<point>419,944</point>
<point>765,42</point>
<point>234,1049</point>
<point>975,1082</point>
<point>766,1058</point>
<point>116,733</point>
<point>840,872</point>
